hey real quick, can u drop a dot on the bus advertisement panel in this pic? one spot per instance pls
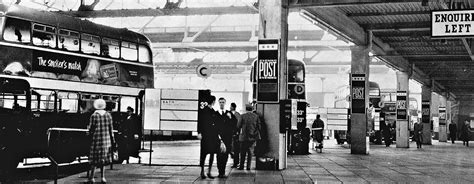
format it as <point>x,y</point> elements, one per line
<point>35,63</point>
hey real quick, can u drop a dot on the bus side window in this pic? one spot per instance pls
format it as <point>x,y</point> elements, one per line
<point>17,30</point>
<point>68,102</point>
<point>44,35</point>
<point>110,48</point>
<point>129,51</point>
<point>68,40</point>
<point>90,44</point>
<point>144,54</point>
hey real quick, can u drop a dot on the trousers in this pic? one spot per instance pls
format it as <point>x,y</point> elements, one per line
<point>246,151</point>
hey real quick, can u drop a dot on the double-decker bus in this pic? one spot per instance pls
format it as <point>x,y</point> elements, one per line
<point>297,142</point>
<point>52,69</point>
<point>342,100</point>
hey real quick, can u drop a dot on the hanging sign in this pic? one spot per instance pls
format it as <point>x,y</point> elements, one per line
<point>401,105</point>
<point>267,70</point>
<point>452,23</point>
<point>358,93</point>
<point>425,111</point>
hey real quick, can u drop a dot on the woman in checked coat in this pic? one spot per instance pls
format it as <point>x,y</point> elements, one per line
<point>100,132</point>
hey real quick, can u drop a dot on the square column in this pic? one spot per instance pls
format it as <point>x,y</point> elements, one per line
<point>402,128</point>
<point>359,99</point>
<point>273,24</point>
<point>426,114</point>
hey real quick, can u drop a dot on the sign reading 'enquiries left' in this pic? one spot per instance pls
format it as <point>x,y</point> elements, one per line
<point>452,23</point>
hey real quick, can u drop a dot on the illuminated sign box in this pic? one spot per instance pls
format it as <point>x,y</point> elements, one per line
<point>452,23</point>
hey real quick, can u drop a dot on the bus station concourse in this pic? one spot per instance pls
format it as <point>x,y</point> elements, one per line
<point>191,91</point>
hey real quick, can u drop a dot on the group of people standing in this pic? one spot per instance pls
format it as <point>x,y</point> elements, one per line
<point>226,132</point>
<point>465,134</point>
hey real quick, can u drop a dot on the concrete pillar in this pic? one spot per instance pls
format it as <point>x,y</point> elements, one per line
<point>443,137</point>
<point>358,128</point>
<point>273,24</point>
<point>426,114</point>
<point>402,127</point>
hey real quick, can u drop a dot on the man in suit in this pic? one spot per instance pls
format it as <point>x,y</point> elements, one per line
<point>225,123</point>
<point>251,127</point>
<point>235,139</point>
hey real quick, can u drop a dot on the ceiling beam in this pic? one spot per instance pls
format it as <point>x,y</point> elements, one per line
<point>335,3</point>
<point>338,22</point>
<point>422,26</point>
<point>162,12</point>
<point>335,44</point>
<point>394,13</point>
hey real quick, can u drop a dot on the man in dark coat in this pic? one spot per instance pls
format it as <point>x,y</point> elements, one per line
<point>318,127</point>
<point>235,137</point>
<point>132,132</point>
<point>225,123</point>
<point>465,133</point>
<point>452,131</point>
<point>250,133</point>
<point>207,132</point>
<point>417,133</point>
<point>387,135</point>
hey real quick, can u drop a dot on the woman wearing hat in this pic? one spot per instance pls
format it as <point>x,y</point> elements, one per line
<point>100,131</point>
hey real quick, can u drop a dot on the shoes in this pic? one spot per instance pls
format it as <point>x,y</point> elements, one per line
<point>210,176</point>
<point>241,168</point>
<point>103,180</point>
<point>91,180</point>
<point>203,176</point>
<point>234,166</point>
<point>222,176</point>
<point>248,168</point>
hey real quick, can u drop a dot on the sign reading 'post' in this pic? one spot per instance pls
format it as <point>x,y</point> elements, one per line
<point>358,93</point>
<point>455,23</point>
<point>267,70</point>
<point>402,105</point>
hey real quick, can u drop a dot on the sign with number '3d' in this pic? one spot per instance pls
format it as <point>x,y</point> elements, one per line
<point>267,70</point>
<point>401,105</point>
<point>358,93</point>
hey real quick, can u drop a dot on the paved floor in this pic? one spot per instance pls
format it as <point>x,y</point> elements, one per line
<point>438,163</point>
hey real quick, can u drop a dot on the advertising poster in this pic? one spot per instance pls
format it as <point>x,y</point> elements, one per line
<point>402,105</point>
<point>425,111</point>
<point>48,65</point>
<point>267,70</point>
<point>358,93</point>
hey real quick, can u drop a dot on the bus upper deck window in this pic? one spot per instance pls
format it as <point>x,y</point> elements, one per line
<point>17,30</point>
<point>44,36</point>
<point>90,44</point>
<point>68,40</point>
<point>144,54</point>
<point>110,48</point>
<point>129,51</point>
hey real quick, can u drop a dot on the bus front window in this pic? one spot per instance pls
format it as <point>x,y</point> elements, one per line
<point>129,51</point>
